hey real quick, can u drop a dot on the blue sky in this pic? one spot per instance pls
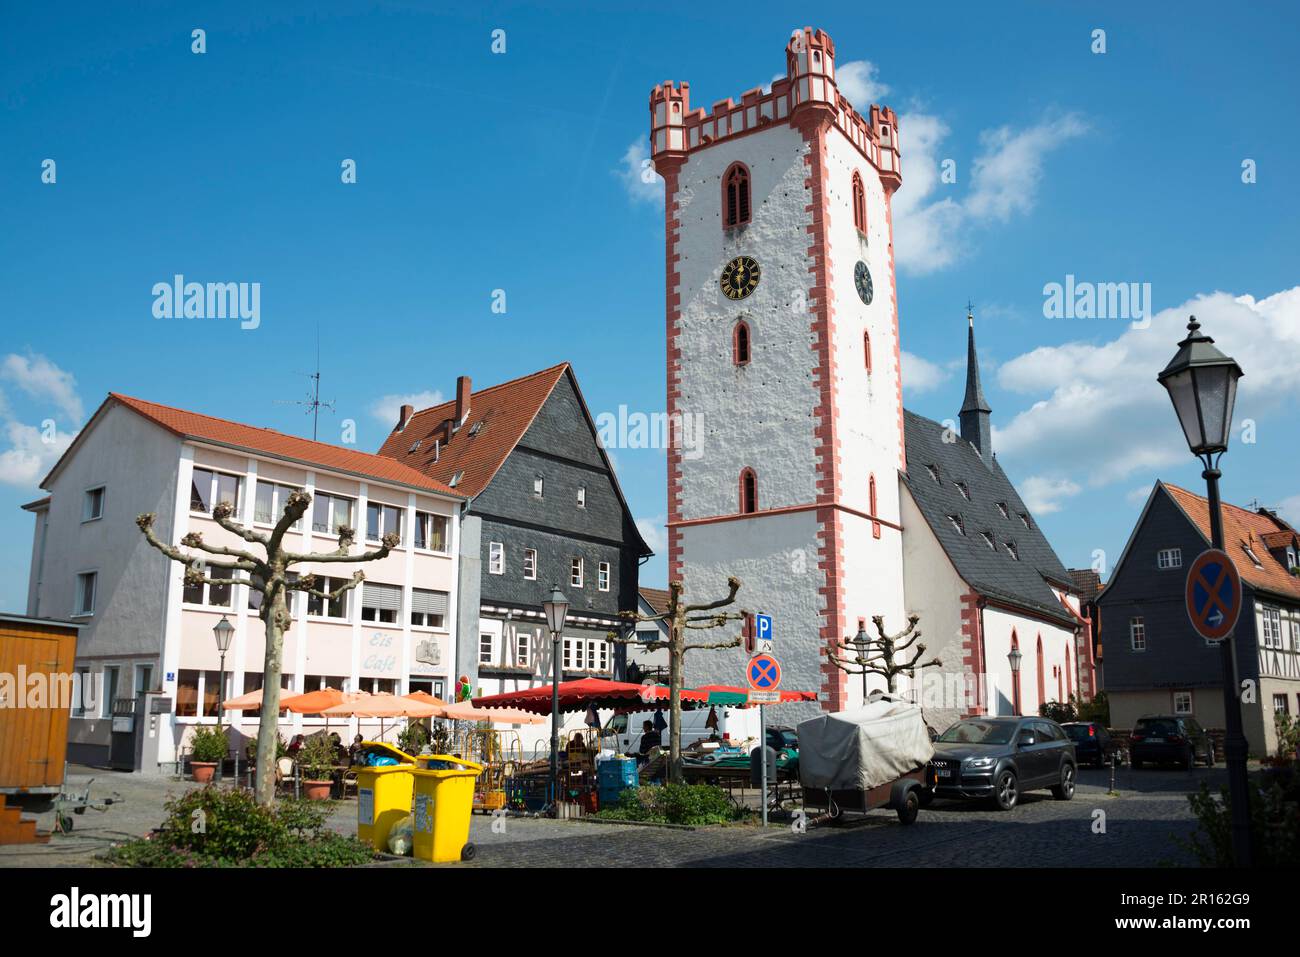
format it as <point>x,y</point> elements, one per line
<point>479,171</point>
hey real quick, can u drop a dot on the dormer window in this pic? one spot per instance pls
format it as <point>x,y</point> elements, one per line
<point>455,479</point>
<point>957,524</point>
<point>1251,555</point>
<point>988,540</point>
<point>735,196</point>
<point>964,489</point>
<point>934,471</point>
<point>1012,550</point>
<point>415,447</point>
<point>476,428</point>
<point>1024,520</point>
<point>1002,507</point>
<point>537,486</point>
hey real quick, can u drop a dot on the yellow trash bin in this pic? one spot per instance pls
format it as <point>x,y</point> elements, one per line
<point>442,807</point>
<point>383,795</point>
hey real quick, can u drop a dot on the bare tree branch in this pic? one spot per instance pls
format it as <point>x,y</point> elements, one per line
<point>221,513</point>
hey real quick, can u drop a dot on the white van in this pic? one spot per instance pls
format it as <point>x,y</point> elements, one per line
<point>735,726</point>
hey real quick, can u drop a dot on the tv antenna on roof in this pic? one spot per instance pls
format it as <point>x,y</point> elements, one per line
<point>313,401</point>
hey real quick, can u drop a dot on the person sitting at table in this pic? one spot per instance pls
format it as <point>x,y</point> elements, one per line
<point>295,745</point>
<point>650,738</point>
<point>355,749</point>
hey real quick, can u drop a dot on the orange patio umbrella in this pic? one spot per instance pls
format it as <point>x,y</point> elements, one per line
<point>313,702</point>
<point>381,706</point>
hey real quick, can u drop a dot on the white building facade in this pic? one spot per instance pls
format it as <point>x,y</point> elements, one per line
<point>145,631</point>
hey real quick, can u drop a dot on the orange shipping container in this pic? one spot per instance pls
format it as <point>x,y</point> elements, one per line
<point>36,668</point>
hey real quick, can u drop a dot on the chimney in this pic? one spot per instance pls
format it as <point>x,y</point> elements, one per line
<point>405,416</point>
<point>462,399</point>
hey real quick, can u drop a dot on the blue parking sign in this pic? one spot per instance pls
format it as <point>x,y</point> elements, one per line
<point>763,627</point>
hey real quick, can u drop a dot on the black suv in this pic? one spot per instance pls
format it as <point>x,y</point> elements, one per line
<point>999,758</point>
<point>1092,742</point>
<point>1168,737</point>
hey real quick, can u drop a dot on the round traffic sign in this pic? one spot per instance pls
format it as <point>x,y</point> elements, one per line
<point>763,673</point>
<point>1213,594</point>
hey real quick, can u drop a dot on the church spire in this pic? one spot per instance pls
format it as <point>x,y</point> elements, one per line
<point>975,411</point>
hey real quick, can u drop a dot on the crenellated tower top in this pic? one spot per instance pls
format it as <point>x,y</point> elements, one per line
<point>809,84</point>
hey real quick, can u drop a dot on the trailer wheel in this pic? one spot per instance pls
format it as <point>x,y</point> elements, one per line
<point>908,810</point>
<point>65,823</point>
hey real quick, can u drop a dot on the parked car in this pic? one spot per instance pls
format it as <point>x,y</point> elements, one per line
<point>1093,744</point>
<point>1157,738</point>
<point>998,759</point>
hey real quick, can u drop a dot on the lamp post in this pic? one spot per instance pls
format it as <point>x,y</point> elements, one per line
<point>557,609</point>
<point>1014,657</point>
<point>223,631</point>
<point>1202,384</point>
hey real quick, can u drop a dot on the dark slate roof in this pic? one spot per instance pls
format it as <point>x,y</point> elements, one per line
<point>991,572</point>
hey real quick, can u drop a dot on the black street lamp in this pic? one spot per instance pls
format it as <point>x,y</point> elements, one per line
<point>224,631</point>
<point>557,609</point>
<point>1202,383</point>
<point>1014,657</point>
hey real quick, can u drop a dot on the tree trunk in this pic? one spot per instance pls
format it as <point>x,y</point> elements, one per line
<point>268,725</point>
<point>675,656</point>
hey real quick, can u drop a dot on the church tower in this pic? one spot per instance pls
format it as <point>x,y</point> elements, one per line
<point>975,412</point>
<point>784,389</point>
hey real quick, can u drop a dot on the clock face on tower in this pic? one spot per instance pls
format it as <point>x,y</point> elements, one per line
<point>739,277</point>
<point>862,279</point>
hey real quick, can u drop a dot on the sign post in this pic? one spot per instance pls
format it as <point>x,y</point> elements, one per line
<point>1213,595</point>
<point>764,676</point>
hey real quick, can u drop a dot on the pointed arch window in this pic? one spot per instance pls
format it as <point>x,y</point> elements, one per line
<point>859,203</point>
<point>748,492</point>
<point>735,196</point>
<point>871,498</point>
<point>1042,677</point>
<point>740,343</point>
<point>866,350</point>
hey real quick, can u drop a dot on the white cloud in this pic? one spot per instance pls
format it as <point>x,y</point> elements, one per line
<point>930,233</point>
<point>653,531</point>
<point>857,80</point>
<point>1043,495</point>
<point>1290,509</point>
<point>642,183</point>
<point>41,379</point>
<point>1102,415</point>
<point>29,457</point>
<point>921,375</point>
<point>387,408</point>
<point>1139,495</point>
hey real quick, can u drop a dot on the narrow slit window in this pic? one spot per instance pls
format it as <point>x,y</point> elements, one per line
<point>748,492</point>
<point>859,203</point>
<point>740,343</point>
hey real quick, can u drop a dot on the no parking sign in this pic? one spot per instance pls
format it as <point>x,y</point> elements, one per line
<point>1213,594</point>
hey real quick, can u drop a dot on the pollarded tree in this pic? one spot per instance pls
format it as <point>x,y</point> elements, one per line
<point>884,655</point>
<point>681,618</point>
<point>271,575</point>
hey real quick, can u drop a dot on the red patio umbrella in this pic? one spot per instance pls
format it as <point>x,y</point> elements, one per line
<point>583,693</point>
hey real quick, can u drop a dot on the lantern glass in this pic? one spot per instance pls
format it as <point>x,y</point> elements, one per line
<point>557,610</point>
<point>224,631</point>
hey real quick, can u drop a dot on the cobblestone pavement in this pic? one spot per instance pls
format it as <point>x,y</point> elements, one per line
<point>1140,824</point>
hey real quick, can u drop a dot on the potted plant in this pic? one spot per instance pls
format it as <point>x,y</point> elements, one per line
<point>316,762</point>
<point>208,746</point>
<point>413,738</point>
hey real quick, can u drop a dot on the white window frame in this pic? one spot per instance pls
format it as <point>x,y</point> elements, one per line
<point>279,495</point>
<point>1284,701</point>
<point>488,639</point>
<point>582,496</point>
<point>496,558</point>
<point>1272,631</point>
<point>86,515</point>
<point>602,576</point>
<point>135,676</point>
<point>576,566</point>
<point>205,596</point>
<point>398,510</point>
<point>79,609</point>
<point>397,613</point>
<point>1188,709</point>
<point>1167,558</point>
<point>323,584</point>
<point>530,564</point>
<point>539,486</point>
<point>331,498</point>
<point>212,488</point>
<point>1137,633</point>
<point>81,680</point>
<point>429,518</point>
<point>523,649</point>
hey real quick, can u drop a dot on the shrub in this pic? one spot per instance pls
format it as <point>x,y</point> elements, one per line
<point>1288,736</point>
<point>220,824</point>
<point>325,850</point>
<point>209,743</point>
<point>1058,711</point>
<point>692,804</point>
<point>316,758</point>
<point>1274,823</point>
<point>301,817</point>
<point>1098,709</point>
